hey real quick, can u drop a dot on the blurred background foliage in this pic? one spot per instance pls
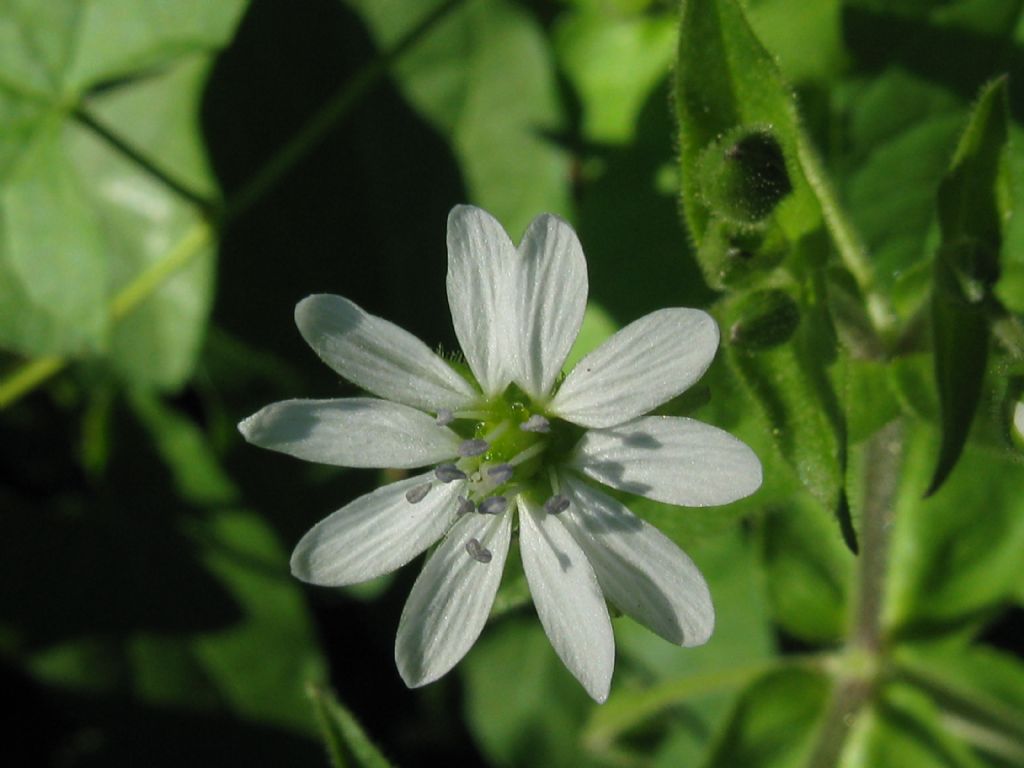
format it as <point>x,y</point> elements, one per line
<point>833,179</point>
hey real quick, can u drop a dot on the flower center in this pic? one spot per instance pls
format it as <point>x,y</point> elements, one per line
<point>508,449</point>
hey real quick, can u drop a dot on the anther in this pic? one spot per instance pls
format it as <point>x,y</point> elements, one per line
<point>465,506</point>
<point>500,474</point>
<point>478,552</point>
<point>446,473</point>
<point>416,494</point>
<point>556,504</point>
<point>473,447</point>
<point>444,417</point>
<point>493,506</point>
<point>536,423</point>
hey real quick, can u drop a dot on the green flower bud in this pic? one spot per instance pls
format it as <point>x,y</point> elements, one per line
<point>729,254</point>
<point>763,319</point>
<point>743,175</point>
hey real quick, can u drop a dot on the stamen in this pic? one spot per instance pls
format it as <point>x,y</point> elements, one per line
<point>500,474</point>
<point>556,504</point>
<point>536,423</point>
<point>528,454</point>
<point>475,447</point>
<point>447,473</point>
<point>465,506</point>
<point>478,552</point>
<point>493,506</point>
<point>444,417</point>
<point>417,493</point>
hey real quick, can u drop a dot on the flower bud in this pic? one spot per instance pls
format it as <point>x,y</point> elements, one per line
<point>729,254</point>
<point>743,175</point>
<point>763,319</point>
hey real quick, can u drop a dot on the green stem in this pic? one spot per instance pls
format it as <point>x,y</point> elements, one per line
<point>34,373</point>
<point>28,376</point>
<point>857,678</point>
<point>149,280</point>
<point>852,250</point>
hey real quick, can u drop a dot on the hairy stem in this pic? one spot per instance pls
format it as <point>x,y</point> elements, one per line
<point>856,680</point>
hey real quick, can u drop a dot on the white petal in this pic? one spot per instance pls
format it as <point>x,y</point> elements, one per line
<point>647,363</point>
<point>675,460</point>
<point>378,356</point>
<point>450,602</point>
<point>640,569</point>
<point>376,533</point>
<point>483,271</point>
<point>352,432</point>
<point>554,296</point>
<point>568,599</point>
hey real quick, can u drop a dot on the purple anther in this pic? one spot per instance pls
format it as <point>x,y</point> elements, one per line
<point>556,504</point>
<point>447,473</point>
<point>493,506</point>
<point>417,493</point>
<point>474,447</point>
<point>444,417</point>
<point>478,552</point>
<point>500,473</point>
<point>536,423</point>
<point>465,506</point>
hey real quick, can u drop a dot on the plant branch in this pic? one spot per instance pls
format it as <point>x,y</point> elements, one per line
<point>857,676</point>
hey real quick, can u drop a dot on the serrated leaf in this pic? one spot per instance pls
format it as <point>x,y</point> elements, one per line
<point>966,267</point>
<point>346,742</point>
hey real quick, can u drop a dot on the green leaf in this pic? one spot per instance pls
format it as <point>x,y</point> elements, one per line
<point>346,741</point>
<point>966,267</point>
<point>614,60</point>
<point>808,570</point>
<point>978,690</point>
<point>522,705</point>
<point>727,84</point>
<point>900,127</point>
<point>773,722</point>
<point>685,695</point>
<point>800,408</point>
<point>83,209</point>
<point>485,79</point>
<point>190,604</point>
<point>955,556</point>
<point>903,729</point>
<point>726,80</point>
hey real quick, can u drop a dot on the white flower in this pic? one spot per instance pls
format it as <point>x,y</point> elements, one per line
<point>509,440</point>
